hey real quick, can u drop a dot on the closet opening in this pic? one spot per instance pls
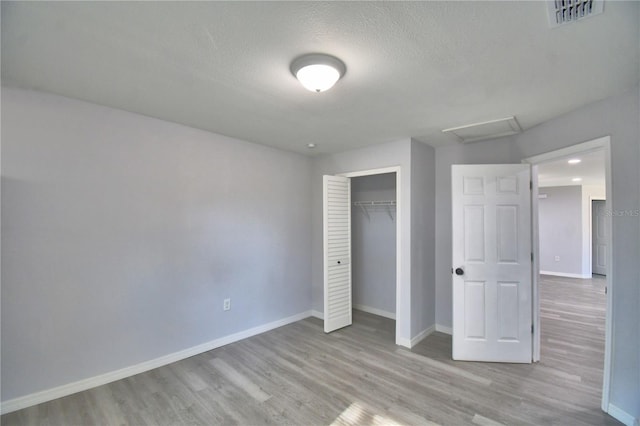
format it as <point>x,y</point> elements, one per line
<point>374,257</point>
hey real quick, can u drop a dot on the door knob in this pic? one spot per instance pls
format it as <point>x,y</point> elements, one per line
<point>338,262</point>
<point>459,271</point>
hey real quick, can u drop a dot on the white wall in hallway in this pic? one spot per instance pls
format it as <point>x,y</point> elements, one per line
<point>560,226</point>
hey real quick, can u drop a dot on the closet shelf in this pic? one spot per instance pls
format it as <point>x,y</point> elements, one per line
<point>366,204</point>
<point>374,203</point>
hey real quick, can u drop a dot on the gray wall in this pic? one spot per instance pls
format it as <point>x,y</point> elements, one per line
<point>390,154</point>
<point>122,235</point>
<point>423,289</point>
<point>619,118</point>
<point>373,256</point>
<point>417,224</point>
<point>560,226</point>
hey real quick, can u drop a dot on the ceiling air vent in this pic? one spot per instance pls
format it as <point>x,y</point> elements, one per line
<point>486,130</point>
<point>566,11</point>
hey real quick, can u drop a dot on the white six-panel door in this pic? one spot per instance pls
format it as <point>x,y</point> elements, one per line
<point>491,263</point>
<point>337,252</point>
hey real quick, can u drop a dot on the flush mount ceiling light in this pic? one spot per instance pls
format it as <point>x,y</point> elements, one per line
<point>574,161</point>
<point>318,72</point>
<point>576,179</point>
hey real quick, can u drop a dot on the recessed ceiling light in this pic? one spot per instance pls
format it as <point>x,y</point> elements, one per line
<point>311,145</point>
<point>574,161</point>
<point>576,179</point>
<point>318,72</point>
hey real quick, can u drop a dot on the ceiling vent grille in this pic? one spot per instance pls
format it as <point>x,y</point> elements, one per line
<point>566,11</point>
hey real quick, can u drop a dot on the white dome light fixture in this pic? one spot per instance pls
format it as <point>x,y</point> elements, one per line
<point>318,72</point>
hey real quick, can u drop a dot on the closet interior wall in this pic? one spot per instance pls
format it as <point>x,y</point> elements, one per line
<point>374,243</point>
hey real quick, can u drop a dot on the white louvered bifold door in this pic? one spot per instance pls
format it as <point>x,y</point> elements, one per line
<point>337,252</point>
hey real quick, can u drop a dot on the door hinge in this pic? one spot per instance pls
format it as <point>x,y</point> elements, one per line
<point>605,290</point>
<point>530,184</point>
<point>531,256</point>
<point>531,328</point>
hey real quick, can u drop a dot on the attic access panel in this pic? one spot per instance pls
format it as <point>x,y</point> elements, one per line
<point>486,130</point>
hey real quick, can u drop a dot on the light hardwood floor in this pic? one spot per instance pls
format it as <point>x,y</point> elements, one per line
<point>298,375</point>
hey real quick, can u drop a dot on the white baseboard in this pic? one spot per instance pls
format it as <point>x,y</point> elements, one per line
<point>375,311</point>
<point>422,335</point>
<point>91,382</point>
<point>401,341</point>
<point>409,343</point>
<point>444,329</point>
<point>317,314</point>
<point>390,315</point>
<point>622,416</point>
<point>565,274</point>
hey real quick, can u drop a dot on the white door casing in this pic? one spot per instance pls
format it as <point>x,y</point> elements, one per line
<point>491,216</point>
<point>403,290</point>
<point>336,195</point>
<point>602,143</point>
<point>599,237</point>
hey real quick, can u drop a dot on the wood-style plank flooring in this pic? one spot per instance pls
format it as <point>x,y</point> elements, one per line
<point>298,375</point>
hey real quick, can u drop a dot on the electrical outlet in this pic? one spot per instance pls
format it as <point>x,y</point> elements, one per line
<point>557,258</point>
<point>227,304</point>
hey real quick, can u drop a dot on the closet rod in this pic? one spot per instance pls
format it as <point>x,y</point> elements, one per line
<point>363,204</point>
<point>374,203</point>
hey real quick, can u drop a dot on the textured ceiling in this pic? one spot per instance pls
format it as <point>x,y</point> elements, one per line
<point>413,69</point>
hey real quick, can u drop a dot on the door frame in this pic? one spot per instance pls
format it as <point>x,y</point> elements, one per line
<point>604,144</point>
<point>402,311</point>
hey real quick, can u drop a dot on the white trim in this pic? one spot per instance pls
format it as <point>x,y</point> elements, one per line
<point>370,172</point>
<point>375,311</point>
<point>102,379</point>
<point>608,345</point>
<point>535,276</point>
<point>444,329</point>
<point>581,148</point>
<point>602,143</point>
<point>317,314</point>
<point>401,341</point>
<point>405,317</point>
<point>565,274</point>
<point>422,335</point>
<point>409,343</point>
<point>622,416</point>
